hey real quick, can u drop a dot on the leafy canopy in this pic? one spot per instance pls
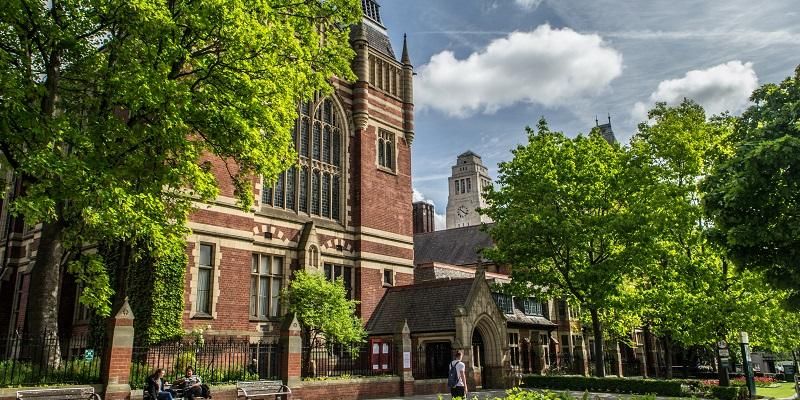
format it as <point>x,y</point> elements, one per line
<point>110,109</point>
<point>754,197</point>
<point>561,218</point>
<point>323,310</point>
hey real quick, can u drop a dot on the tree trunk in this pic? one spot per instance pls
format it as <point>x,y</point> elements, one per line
<point>668,355</point>
<point>597,329</point>
<point>649,344</point>
<point>43,304</point>
<point>687,358</point>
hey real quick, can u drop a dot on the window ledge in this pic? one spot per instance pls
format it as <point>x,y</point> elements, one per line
<point>202,316</point>
<point>387,170</point>
<point>388,285</point>
<point>264,319</point>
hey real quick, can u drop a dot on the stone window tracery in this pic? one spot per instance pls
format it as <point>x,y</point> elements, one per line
<point>315,186</point>
<point>385,150</point>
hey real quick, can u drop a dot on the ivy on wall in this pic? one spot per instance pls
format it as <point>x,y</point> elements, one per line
<point>155,293</point>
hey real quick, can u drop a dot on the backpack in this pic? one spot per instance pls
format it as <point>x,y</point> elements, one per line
<point>452,376</point>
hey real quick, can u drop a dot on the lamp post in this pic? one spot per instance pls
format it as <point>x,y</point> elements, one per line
<point>746,365</point>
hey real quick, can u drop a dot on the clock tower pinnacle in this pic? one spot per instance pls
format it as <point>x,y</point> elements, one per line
<point>468,180</point>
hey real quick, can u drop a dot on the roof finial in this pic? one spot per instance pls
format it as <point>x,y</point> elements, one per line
<point>596,121</point>
<point>609,118</point>
<point>405,59</point>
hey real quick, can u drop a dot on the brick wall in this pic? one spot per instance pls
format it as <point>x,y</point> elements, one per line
<point>385,198</point>
<point>430,386</point>
<point>370,290</point>
<point>401,279</point>
<point>348,390</point>
<point>232,306</point>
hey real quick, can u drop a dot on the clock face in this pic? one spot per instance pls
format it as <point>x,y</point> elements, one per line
<point>462,211</point>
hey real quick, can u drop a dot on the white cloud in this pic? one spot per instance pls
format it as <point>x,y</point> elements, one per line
<point>528,4</point>
<point>547,66</point>
<point>724,87</point>
<point>439,220</point>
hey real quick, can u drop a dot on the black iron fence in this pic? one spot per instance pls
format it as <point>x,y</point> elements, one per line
<point>334,360</point>
<point>432,361</point>
<point>49,360</point>
<point>216,360</point>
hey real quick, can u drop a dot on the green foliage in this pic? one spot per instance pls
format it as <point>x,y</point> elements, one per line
<point>17,373</point>
<point>729,392</point>
<point>323,310</point>
<point>672,388</point>
<point>565,219</point>
<point>90,271</point>
<point>156,298</point>
<point>752,196</point>
<point>685,282</point>
<point>110,110</point>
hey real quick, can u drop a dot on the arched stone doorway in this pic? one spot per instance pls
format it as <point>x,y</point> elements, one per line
<point>486,354</point>
<point>478,357</point>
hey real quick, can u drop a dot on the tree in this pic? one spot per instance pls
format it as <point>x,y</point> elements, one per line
<point>111,109</point>
<point>754,197</point>
<point>324,313</point>
<point>689,290</point>
<point>562,221</point>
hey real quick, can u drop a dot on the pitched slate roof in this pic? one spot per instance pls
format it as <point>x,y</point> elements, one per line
<point>457,246</point>
<point>427,306</point>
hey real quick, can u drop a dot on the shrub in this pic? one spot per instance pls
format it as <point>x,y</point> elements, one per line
<point>729,393</point>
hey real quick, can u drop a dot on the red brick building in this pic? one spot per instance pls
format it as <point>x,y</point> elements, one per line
<point>344,210</point>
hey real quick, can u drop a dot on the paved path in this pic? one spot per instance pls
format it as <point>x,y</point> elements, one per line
<point>492,394</point>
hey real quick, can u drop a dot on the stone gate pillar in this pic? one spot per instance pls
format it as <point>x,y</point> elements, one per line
<point>291,352</point>
<point>403,353</point>
<point>117,355</point>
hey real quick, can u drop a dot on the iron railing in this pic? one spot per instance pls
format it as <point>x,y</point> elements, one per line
<point>432,361</point>
<point>217,360</point>
<point>333,360</point>
<point>50,360</point>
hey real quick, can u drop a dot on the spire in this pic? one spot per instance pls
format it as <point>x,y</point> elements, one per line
<point>406,60</point>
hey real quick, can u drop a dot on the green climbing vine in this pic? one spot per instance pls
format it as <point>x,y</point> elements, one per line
<point>155,287</point>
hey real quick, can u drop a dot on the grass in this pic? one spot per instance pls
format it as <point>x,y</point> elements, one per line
<point>782,391</point>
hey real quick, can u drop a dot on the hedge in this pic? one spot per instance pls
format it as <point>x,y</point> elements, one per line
<point>730,392</point>
<point>672,388</point>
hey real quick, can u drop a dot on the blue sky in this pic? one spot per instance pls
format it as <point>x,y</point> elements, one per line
<point>488,68</point>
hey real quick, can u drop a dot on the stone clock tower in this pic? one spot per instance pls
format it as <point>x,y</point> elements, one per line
<point>467,181</point>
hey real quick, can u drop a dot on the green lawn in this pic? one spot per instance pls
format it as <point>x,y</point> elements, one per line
<point>784,390</point>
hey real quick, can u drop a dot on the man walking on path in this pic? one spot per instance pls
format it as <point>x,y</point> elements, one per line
<point>456,378</point>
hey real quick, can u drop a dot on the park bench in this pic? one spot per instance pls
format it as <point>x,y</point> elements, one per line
<point>263,390</point>
<point>71,393</point>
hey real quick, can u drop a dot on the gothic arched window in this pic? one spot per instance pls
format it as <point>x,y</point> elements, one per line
<point>315,187</point>
<point>386,158</point>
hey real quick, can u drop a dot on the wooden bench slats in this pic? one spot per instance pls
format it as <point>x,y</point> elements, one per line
<point>81,393</point>
<point>261,389</point>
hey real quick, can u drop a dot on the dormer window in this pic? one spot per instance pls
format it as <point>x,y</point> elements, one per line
<point>504,302</point>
